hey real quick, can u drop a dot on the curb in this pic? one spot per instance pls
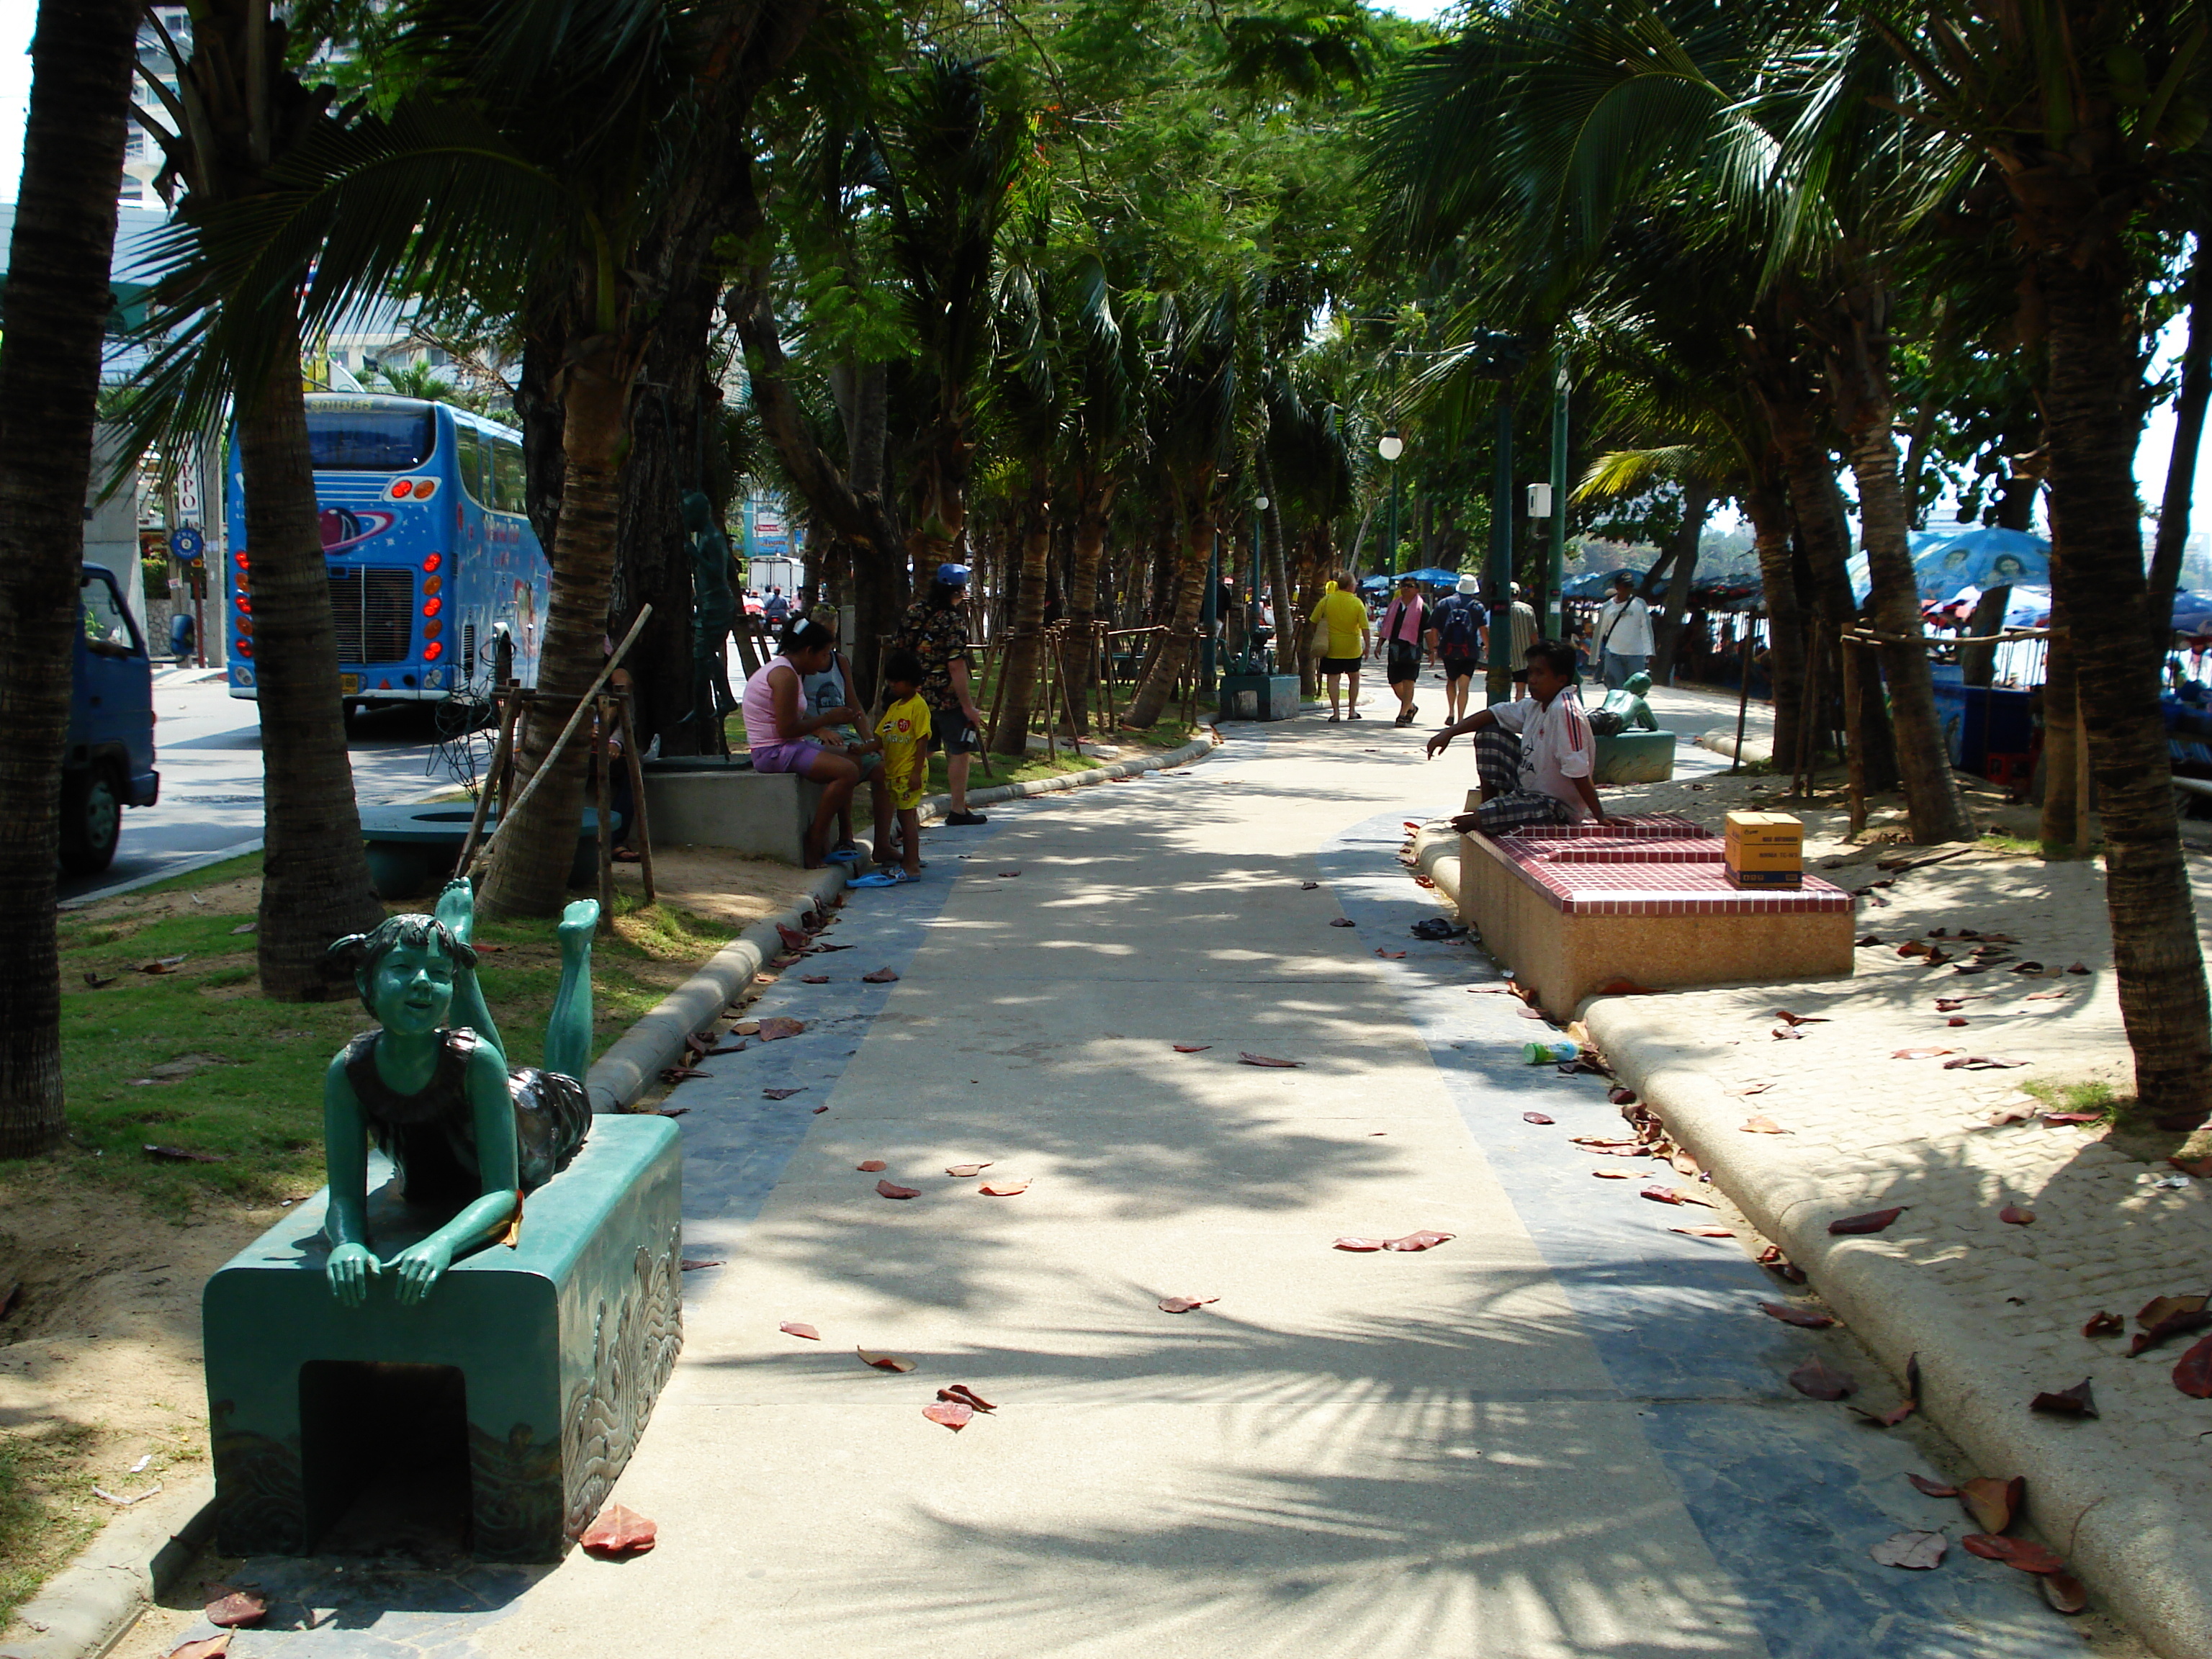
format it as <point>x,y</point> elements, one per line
<point>1722,741</point>
<point>635,1059</point>
<point>2147,1557</point>
<point>184,866</point>
<point>87,1607</point>
<point>1436,855</point>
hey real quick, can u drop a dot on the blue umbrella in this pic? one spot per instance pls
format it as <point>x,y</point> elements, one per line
<point>1982,558</point>
<point>1432,575</point>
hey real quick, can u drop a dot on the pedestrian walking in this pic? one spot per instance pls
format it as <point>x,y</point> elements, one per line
<point>1624,633</point>
<point>1404,626</point>
<point>1456,639</point>
<point>935,630</point>
<point>1339,636</point>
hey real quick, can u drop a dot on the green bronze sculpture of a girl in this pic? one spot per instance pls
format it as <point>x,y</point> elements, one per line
<point>467,1135</point>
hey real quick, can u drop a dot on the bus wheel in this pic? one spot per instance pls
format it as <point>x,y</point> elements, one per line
<point>92,819</point>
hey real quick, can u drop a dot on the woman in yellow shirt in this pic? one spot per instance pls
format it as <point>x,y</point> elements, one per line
<point>1345,618</point>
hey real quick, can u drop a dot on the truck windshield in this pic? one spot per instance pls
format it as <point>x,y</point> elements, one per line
<point>370,440</point>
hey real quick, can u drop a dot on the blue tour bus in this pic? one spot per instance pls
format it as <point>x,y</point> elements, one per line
<point>437,582</point>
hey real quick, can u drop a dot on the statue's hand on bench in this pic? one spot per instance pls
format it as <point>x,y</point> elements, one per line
<point>349,1270</point>
<point>420,1267</point>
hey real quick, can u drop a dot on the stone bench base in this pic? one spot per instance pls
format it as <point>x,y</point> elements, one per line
<point>1625,758</point>
<point>763,815</point>
<point>524,1379</point>
<point>1568,918</point>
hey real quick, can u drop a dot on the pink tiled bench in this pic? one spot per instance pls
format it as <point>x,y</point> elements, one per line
<point>1574,909</point>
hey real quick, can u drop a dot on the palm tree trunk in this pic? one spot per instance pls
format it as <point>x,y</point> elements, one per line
<point>2094,517</point>
<point>1092,517</point>
<point>1858,385</point>
<point>1287,631</point>
<point>534,848</point>
<point>315,877</point>
<point>2059,829</point>
<point>1696,500</point>
<point>58,307</point>
<point>1168,665</point>
<point>1767,505</point>
<point>1025,639</point>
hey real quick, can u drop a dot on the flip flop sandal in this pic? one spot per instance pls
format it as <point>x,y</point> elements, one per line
<point>874,878</point>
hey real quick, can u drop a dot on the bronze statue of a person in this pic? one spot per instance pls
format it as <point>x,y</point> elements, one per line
<point>713,611</point>
<point>468,1134</point>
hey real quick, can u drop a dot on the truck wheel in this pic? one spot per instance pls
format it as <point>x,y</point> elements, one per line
<point>92,819</point>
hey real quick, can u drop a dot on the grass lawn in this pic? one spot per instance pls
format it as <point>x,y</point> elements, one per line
<point>196,1059</point>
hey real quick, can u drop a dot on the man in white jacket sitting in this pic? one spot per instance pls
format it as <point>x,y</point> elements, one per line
<point>1624,633</point>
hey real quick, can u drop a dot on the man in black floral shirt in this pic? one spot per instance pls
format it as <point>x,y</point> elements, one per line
<point>935,629</point>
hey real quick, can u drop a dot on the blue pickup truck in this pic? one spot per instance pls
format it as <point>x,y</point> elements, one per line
<point>109,762</point>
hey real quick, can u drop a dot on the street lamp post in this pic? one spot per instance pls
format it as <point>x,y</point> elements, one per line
<point>1210,612</point>
<point>1390,448</point>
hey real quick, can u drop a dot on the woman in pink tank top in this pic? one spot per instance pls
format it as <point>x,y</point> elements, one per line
<point>778,730</point>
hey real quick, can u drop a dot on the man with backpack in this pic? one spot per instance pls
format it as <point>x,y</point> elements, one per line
<point>1455,636</point>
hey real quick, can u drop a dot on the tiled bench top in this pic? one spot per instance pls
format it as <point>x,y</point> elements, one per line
<point>1647,850</point>
<point>1678,875</point>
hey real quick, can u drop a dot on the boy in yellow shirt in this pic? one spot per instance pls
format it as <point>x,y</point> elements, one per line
<point>905,731</point>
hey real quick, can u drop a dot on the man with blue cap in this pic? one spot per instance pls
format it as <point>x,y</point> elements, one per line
<point>935,629</point>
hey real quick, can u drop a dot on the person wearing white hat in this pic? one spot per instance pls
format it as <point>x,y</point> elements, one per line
<point>1455,637</point>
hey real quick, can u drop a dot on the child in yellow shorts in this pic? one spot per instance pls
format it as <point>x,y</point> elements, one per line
<point>904,732</point>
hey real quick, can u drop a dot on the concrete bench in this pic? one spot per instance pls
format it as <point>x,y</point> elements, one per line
<point>711,802</point>
<point>413,849</point>
<point>1258,697</point>
<point>1574,909</point>
<point>515,1393</point>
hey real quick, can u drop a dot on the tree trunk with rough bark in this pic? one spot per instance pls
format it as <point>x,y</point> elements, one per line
<point>315,873</point>
<point>1697,501</point>
<point>58,309</point>
<point>533,849</point>
<point>2061,732</point>
<point>1174,654</point>
<point>1025,650</point>
<point>1859,387</point>
<point>2093,411</point>
<point>1767,504</point>
<point>1093,515</point>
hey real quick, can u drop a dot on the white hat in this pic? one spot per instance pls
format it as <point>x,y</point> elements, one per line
<point>1468,585</point>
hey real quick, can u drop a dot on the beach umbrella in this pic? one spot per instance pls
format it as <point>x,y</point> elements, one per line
<point>1432,575</point>
<point>1983,559</point>
<point>2193,612</point>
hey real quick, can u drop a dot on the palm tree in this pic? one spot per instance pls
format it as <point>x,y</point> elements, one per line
<point>227,327</point>
<point>59,303</point>
<point>2087,113</point>
<point>1026,399</point>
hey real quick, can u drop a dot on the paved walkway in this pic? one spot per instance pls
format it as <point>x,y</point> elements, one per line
<point>1564,1432</point>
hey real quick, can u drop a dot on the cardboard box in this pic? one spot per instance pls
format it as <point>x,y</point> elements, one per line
<point>1765,850</point>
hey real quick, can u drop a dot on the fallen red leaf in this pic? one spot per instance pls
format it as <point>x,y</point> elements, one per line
<point>1621,1096</point>
<point>814,979</point>
<point>792,1328</point>
<point>1821,1381</point>
<point>2065,1593</point>
<point>2014,1553</point>
<point>1673,1195</point>
<point>618,1531</point>
<point>2079,968</point>
<point>2199,1167</point>
<point>883,1362</point>
<point>1917,1552</point>
<point>966,1396</point>
<point>207,1647</point>
<point>693,1264</point>
<point>681,1074</point>
<point>1536,1117</point>
<point>2073,1117</point>
<point>238,1608</point>
<point>1872,1221</point>
<point>1192,1047</point>
<point>1867,938</point>
<point>776,1027</point>
<point>2165,1317</point>
<point>1389,956</point>
<point>165,965</point>
<point>1751,1089</point>
<point>955,1415</point>
<point>1614,1175</point>
<point>1955,1021</point>
<point>1008,875</point>
<point>2076,1401</point>
<point>965,1172</point>
<point>1994,1504</point>
<point>1762,1125</point>
<point>782,1093</point>
<point>1003,1188</point>
<point>818,1110</point>
<point>1185,1303</point>
<point>1423,1240</point>
<point>793,938</point>
<point>2192,1372</point>
<point>1932,1488</point>
<point>880,976</point>
<point>1920,1054</point>
<point>1309,886</point>
<point>1772,1259</point>
<point>1789,1019</point>
<point>1981,1063</point>
<point>1359,1244</point>
<point>1811,1318</point>
<point>889,1190</point>
<point>2013,1215</point>
<point>2104,1324</point>
<point>1262,1060</point>
<point>1340,921</point>
<point>870,1165</point>
<point>1705,1233</point>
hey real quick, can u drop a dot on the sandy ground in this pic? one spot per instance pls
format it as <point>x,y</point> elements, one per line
<point>101,1354</point>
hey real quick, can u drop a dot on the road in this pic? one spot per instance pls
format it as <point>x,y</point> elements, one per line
<point>208,748</point>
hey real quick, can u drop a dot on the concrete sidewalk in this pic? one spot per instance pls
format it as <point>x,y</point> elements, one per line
<point>1564,1432</point>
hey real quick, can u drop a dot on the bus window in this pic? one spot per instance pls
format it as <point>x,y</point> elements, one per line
<point>507,476</point>
<point>370,440</point>
<point>468,459</point>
